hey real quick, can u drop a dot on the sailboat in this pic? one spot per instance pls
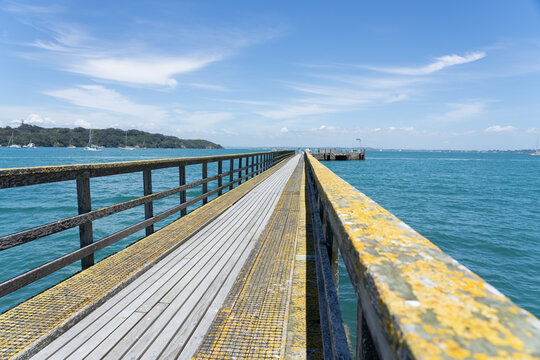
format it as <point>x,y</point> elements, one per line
<point>91,147</point>
<point>11,144</point>
<point>30,145</point>
<point>126,147</point>
<point>537,152</point>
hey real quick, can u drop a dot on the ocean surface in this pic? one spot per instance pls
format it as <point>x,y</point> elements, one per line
<point>482,209</point>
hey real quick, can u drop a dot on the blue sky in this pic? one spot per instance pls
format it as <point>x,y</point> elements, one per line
<point>415,74</point>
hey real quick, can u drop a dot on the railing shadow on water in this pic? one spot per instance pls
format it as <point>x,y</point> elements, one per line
<point>218,174</point>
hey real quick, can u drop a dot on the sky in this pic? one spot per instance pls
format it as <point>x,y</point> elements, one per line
<point>455,74</point>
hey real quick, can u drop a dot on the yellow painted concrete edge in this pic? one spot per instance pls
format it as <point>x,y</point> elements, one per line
<point>31,325</point>
<point>429,305</point>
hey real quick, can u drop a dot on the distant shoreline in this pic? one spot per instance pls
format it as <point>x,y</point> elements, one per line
<point>108,138</point>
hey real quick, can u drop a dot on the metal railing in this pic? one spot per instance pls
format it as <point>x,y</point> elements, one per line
<point>413,300</point>
<point>254,164</point>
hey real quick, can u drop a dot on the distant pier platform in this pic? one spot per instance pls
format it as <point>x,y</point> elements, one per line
<point>339,154</point>
<point>252,273</point>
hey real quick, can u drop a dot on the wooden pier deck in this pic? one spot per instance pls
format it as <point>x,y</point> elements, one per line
<point>167,311</point>
<point>253,274</point>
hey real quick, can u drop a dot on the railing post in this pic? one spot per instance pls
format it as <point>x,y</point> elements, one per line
<point>331,242</point>
<point>205,185</point>
<point>359,321</point>
<point>239,167</point>
<point>182,181</point>
<point>231,175</point>
<point>85,230</point>
<point>248,170</point>
<point>220,179</point>
<point>365,347</point>
<point>334,255</point>
<point>148,207</point>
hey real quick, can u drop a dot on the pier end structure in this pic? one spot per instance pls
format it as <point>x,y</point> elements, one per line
<point>326,154</point>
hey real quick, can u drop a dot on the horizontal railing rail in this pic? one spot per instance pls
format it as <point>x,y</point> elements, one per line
<point>255,163</point>
<point>15,177</point>
<point>414,301</point>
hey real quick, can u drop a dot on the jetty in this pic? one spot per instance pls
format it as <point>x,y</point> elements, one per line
<point>324,154</point>
<point>248,268</point>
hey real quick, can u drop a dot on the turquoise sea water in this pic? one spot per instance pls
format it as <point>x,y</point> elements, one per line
<point>482,209</point>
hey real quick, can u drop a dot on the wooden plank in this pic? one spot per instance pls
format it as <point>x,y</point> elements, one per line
<point>82,332</point>
<point>92,317</point>
<point>158,336</point>
<point>120,341</point>
<point>268,187</point>
<point>183,301</point>
<point>184,327</point>
<point>202,315</point>
<point>193,337</point>
<point>200,299</point>
<point>91,341</point>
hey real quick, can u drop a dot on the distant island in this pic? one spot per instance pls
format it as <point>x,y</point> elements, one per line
<point>63,137</point>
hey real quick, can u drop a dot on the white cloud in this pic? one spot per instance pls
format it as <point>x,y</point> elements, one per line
<point>150,71</point>
<point>500,129</point>
<point>397,98</point>
<point>461,111</point>
<point>202,121</point>
<point>37,119</point>
<point>292,111</point>
<point>99,97</point>
<point>83,123</point>
<point>207,118</point>
<point>325,128</point>
<point>533,131</point>
<point>284,130</point>
<point>228,132</point>
<point>210,87</point>
<point>439,64</point>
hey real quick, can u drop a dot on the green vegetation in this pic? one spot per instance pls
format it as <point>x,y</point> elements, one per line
<point>58,137</point>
